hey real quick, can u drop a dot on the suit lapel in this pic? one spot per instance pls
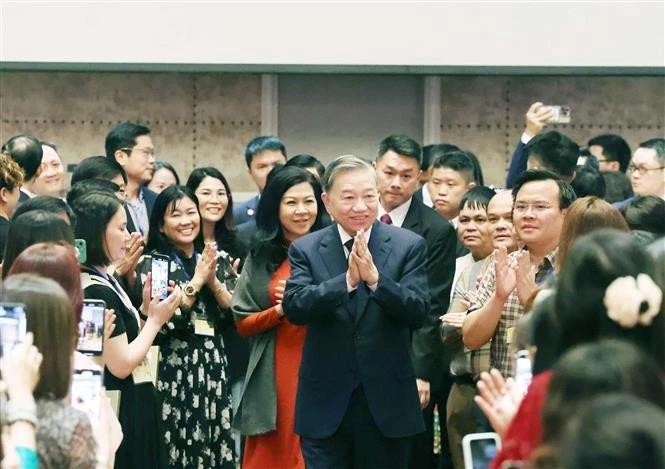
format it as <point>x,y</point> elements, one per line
<point>379,247</point>
<point>334,259</point>
<point>332,252</point>
<point>412,220</point>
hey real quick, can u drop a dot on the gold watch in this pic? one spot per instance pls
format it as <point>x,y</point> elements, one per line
<point>189,290</point>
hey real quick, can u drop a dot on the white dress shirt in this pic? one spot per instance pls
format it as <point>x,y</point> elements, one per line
<point>397,215</point>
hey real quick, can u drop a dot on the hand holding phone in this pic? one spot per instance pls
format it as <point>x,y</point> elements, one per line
<point>20,369</point>
<point>86,392</point>
<point>12,325</point>
<point>159,268</point>
<point>91,328</point>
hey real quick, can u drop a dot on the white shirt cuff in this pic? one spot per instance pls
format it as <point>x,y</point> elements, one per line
<point>525,138</point>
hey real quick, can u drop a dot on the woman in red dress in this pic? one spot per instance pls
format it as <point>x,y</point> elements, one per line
<point>290,207</point>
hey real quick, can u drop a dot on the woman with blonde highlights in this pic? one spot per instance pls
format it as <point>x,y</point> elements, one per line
<point>584,216</point>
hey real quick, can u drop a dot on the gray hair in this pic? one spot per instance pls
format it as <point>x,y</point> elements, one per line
<point>342,164</point>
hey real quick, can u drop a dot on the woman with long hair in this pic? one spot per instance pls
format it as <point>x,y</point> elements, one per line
<point>289,208</point>
<point>193,379</point>
<point>102,223</point>
<point>215,203</point>
<point>64,434</point>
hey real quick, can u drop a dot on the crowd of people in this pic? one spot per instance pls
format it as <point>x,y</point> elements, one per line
<point>340,315</point>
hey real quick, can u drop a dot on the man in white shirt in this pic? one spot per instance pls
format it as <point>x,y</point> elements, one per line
<point>398,169</point>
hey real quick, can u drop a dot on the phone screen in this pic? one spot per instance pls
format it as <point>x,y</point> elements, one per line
<point>160,277</point>
<point>482,452</point>
<point>86,389</point>
<point>12,325</point>
<point>91,328</point>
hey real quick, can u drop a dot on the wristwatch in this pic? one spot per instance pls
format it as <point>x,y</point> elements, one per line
<point>189,290</point>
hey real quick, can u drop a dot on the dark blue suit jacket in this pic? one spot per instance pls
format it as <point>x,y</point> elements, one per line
<point>245,211</point>
<point>358,338</point>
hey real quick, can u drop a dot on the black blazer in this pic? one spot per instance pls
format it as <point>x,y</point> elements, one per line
<point>359,338</point>
<point>149,198</point>
<point>428,353</point>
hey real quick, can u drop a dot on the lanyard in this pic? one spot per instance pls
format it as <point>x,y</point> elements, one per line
<point>111,282</point>
<point>178,261</point>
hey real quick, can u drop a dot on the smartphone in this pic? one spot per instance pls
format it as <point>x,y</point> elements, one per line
<point>91,328</point>
<point>479,449</point>
<point>560,115</point>
<point>12,325</point>
<point>86,390</point>
<point>81,250</point>
<point>160,276</point>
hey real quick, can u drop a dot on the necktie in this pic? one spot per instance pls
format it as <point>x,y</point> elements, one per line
<point>385,218</point>
<point>349,245</point>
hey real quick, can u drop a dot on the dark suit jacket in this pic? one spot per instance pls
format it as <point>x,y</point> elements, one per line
<point>428,353</point>
<point>357,338</point>
<point>517,164</point>
<point>149,198</point>
<point>245,211</point>
<point>22,197</point>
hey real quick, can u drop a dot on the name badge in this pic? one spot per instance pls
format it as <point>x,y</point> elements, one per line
<point>146,372</point>
<point>510,332</point>
<point>202,327</point>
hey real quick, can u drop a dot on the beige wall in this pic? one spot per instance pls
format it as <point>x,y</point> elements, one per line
<point>486,114</point>
<point>196,119</point>
<point>207,118</point>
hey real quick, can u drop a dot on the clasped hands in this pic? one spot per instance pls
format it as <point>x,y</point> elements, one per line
<point>361,264</point>
<point>518,274</point>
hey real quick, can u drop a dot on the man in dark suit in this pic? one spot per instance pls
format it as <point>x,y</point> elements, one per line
<point>398,170</point>
<point>132,148</point>
<point>261,155</point>
<point>357,403</point>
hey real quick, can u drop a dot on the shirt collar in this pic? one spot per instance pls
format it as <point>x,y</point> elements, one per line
<point>427,199</point>
<point>139,200</point>
<point>454,221</point>
<point>27,192</point>
<point>344,236</point>
<point>398,214</point>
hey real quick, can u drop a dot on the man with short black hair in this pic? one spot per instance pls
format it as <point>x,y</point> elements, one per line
<point>308,163</point>
<point>27,151</point>
<point>555,152</point>
<point>453,173</point>
<point>541,200</point>
<point>552,150</point>
<point>397,169</point>
<point>261,155</point>
<point>130,145</point>
<point>430,153</point>
<point>611,151</point>
<point>647,168</point>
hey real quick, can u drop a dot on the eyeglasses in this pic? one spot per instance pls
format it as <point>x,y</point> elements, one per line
<point>642,170</point>
<point>145,151</point>
<point>536,207</point>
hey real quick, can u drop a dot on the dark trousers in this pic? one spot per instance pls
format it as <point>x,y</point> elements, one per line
<point>358,443</point>
<point>422,448</point>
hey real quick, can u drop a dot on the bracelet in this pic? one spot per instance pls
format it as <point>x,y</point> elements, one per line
<point>21,411</point>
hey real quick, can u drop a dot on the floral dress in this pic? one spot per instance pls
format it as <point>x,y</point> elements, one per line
<point>192,377</point>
